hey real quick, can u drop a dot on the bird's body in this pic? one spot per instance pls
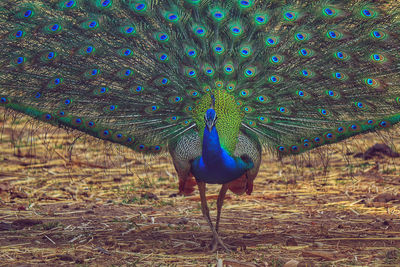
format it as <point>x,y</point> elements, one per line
<point>216,165</point>
<point>209,81</point>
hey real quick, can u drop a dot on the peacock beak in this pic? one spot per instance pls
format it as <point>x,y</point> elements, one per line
<point>209,125</point>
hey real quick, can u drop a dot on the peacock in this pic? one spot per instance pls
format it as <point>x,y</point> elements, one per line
<point>214,83</point>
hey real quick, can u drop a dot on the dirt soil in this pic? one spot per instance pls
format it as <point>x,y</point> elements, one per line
<point>77,202</point>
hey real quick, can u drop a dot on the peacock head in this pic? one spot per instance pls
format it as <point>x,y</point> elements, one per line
<point>210,118</point>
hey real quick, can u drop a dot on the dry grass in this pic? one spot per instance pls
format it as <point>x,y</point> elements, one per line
<point>102,205</point>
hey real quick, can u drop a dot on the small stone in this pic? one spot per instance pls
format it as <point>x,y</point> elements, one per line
<point>235,263</point>
<point>183,220</point>
<point>5,226</point>
<point>291,242</point>
<point>384,197</point>
<point>65,257</point>
<point>291,263</point>
<point>318,244</point>
<point>22,223</point>
<point>79,261</point>
<point>392,254</point>
<point>110,242</point>
<point>149,195</point>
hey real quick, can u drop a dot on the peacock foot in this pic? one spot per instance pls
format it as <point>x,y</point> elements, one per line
<point>216,242</point>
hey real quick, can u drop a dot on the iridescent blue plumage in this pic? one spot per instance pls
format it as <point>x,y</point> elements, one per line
<point>216,166</point>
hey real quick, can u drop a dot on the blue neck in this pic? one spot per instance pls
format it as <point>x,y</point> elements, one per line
<point>216,165</point>
<point>212,153</point>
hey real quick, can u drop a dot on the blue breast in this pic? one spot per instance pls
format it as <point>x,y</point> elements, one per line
<point>216,166</point>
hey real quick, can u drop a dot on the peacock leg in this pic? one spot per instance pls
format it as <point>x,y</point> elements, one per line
<point>220,202</point>
<point>206,214</point>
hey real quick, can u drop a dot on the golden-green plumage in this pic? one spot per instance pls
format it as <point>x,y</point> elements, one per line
<point>228,114</point>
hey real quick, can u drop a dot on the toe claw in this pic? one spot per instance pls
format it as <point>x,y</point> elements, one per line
<point>216,242</point>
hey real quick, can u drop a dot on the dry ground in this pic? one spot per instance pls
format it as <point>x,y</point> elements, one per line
<point>102,205</point>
